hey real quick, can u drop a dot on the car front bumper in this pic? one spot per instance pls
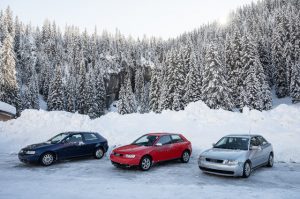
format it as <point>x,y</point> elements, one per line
<point>221,169</point>
<point>124,162</point>
<point>29,158</point>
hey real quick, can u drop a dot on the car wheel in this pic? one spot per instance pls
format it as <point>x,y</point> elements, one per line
<point>99,153</point>
<point>145,163</point>
<point>47,159</point>
<point>270,161</point>
<point>185,157</point>
<point>247,169</point>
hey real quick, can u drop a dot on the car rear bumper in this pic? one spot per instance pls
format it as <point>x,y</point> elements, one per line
<point>28,158</point>
<point>124,162</point>
<point>221,169</point>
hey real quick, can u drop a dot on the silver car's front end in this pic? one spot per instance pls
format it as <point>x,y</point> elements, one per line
<point>220,167</point>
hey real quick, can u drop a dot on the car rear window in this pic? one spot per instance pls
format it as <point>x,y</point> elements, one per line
<point>90,137</point>
<point>176,138</point>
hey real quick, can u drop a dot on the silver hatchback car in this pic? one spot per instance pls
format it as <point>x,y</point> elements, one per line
<point>237,155</point>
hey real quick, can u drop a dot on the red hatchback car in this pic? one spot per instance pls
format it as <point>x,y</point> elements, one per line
<point>152,148</point>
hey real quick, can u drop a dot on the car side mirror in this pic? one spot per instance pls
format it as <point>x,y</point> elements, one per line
<point>213,144</point>
<point>158,144</point>
<point>255,147</point>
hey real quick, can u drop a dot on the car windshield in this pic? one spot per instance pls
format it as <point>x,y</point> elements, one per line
<point>146,140</point>
<point>58,138</point>
<point>235,143</point>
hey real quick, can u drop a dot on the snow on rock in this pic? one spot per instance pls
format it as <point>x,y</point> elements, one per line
<point>7,108</point>
<point>201,125</point>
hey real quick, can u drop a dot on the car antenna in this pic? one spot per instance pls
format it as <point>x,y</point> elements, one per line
<point>250,131</point>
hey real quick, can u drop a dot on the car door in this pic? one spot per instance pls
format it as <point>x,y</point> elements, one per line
<point>163,147</point>
<point>265,148</point>
<point>90,140</point>
<point>177,147</point>
<point>72,146</point>
<point>256,154</point>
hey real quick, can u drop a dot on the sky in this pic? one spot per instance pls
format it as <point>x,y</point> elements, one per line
<point>159,18</point>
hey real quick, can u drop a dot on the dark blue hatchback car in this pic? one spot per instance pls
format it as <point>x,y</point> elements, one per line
<point>64,146</point>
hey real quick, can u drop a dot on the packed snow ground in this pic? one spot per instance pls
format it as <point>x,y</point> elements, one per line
<point>88,178</point>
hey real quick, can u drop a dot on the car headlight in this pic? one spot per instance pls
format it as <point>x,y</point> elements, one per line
<point>129,156</point>
<point>201,158</point>
<point>230,162</point>
<point>30,152</point>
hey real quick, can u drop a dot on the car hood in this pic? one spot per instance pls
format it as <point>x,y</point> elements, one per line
<point>130,149</point>
<point>224,154</point>
<point>38,145</point>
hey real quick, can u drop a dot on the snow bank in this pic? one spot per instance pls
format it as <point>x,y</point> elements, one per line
<point>7,108</point>
<point>201,125</point>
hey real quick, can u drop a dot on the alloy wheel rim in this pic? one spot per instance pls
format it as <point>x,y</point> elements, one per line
<point>247,169</point>
<point>146,163</point>
<point>99,153</point>
<point>47,159</point>
<point>186,156</point>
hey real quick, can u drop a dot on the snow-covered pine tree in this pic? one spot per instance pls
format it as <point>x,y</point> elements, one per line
<point>34,90</point>
<point>9,89</point>
<point>155,90</point>
<point>127,103</point>
<point>193,83</point>
<point>130,102</point>
<point>26,97</point>
<point>177,84</point>
<point>70,93</point>
<point>215,91</point>
<point>166,99</point>
<point>139,85</point>
<point>100,94</point>
<point>234,65</point>
<point>90,97</point>
<point>256,92</point>
<point>288,57</point>
<point>55,99</point>
<point>81,103</point>
<point>295,82</point>
<point>144,107</point>
<point>122,108</point>
<point>45,75</point>
<point>278,43</point>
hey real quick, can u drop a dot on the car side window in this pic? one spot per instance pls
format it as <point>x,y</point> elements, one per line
<point>166,139</point>
<point>262,140</point>
<point>254,141</point>
<point>76,138</point>
<point>176,138</point>
<point>90,137</point>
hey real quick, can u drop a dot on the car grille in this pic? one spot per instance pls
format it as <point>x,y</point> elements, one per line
<point>217,171</point>
<point>214,160</point>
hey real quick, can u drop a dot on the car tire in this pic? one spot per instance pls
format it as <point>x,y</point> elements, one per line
<point>47,159</point>
<point>99,153</point>
<point>185,157</point>
<point>145,163</point>
<point>270,160</point>
<point>247,169</point>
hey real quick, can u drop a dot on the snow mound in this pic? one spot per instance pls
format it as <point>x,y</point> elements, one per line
<point>201,125</point>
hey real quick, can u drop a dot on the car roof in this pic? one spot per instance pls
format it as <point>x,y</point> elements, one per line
<point>242,135</point>
<point>75,132</point>
<point>162,133</point>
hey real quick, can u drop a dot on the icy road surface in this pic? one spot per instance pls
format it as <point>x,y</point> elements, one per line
<point>90,178</point>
